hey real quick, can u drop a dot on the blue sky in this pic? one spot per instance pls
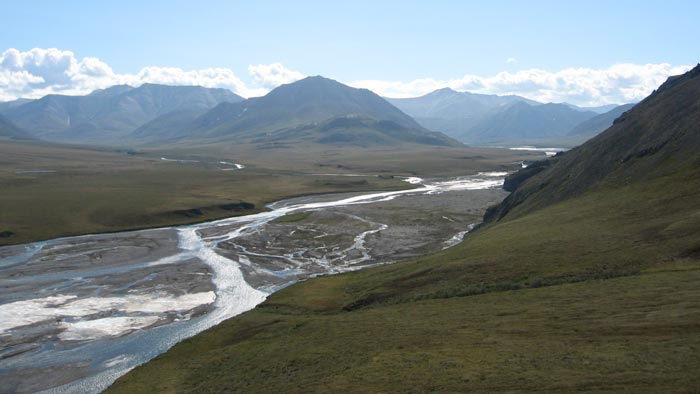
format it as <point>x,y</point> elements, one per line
<point>398,41</point>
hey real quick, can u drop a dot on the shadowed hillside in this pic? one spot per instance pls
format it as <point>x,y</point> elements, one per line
<point>9,130</point>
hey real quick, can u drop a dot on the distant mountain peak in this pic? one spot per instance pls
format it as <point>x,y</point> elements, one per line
<point>446,90</point>
<point>319,82</point>
<point>315,80</point>
<point>112,90</point>
<point>307,88</point>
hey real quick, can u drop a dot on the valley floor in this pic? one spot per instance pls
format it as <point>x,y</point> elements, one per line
<point>51,190</point>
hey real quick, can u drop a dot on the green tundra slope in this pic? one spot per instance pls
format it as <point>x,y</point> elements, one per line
<point>584,280</point>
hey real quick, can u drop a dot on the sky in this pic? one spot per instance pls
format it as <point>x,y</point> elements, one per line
<point>582,52</point>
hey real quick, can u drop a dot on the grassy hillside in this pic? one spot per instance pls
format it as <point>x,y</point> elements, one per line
<point>587,283</point>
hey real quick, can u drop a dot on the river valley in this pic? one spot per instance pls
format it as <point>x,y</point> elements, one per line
<point>78,312</point>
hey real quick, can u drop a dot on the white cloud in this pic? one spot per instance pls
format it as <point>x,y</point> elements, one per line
<point>272,75</point>
<point>38,72</point>
<point>209,77</point>
<point>620,83</point>
<point>511,60</point>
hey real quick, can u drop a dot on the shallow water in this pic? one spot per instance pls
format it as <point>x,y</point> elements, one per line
<point>549,152</point>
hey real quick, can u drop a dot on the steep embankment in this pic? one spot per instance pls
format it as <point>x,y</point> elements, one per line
<point>587,283</point>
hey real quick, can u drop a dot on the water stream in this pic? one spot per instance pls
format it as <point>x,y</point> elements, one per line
<point>78,312</point>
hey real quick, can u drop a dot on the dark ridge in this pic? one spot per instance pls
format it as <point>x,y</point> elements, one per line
<point>11,131</point>
<point>6,234</point>
<point>240,206</point>
<point>190,213</point>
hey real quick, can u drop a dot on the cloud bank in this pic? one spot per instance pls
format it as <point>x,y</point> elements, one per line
<point>273,75</point>
<point>39,72</point>
<point>618,84</point>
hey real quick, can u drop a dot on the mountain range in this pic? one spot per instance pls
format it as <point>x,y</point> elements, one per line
<point>312,110</point>
<point>522,122</point>
<point>490,119</point>
<point>447,104</point>
<point>109,115</point>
